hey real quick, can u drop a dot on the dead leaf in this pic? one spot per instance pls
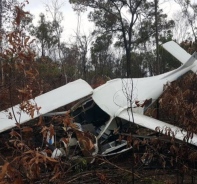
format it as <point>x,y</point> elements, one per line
<point>27,129</point>
<point>40,122</point>
<point>51,130</point>
<point>15,134</point>
<point>56,175</point>
<point>4,170</point>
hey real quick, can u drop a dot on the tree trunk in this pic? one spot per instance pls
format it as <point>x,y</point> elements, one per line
<point>128,58</point>
<point>2,71</point>
<point>156,38</point>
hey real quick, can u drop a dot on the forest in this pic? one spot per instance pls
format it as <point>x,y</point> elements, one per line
<point>126,43</point>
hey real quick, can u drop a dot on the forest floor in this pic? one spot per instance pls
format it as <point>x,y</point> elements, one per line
<point>111,170</point>
<point>125,168</point>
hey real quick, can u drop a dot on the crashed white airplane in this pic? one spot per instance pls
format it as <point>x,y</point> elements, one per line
<point>112,105</point>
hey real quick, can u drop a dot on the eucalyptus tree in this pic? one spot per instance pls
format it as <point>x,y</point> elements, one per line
<point>6,12</point>
<point>102,58</point>
<point>53,9</point>
<point>163,33</point>
<point>181,29</point>
<point>118,18</point>
<point>70,61</point>
<point>162,28</point>
<point>46,35</point>
<point>156,32</point>
<point>83,44</point>
<point>121,19</point>
<point>189,9</point>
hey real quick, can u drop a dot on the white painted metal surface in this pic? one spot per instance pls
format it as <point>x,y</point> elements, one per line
<point>48,102</point>
<point>180,54</point>
<point>174,49</point>
<point>119,94</point>
<point>152,124</point>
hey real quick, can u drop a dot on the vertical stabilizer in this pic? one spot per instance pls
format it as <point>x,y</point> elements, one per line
<point>180,54</point>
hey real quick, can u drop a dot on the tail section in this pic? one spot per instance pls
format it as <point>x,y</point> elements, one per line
<point>191,61</point>
<point>179,53</point>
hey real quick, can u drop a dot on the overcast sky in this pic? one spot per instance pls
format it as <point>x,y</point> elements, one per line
<point>70,20</point>
<point>69,23</point>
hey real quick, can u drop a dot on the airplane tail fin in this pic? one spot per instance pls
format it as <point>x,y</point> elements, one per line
<point>179,53</point>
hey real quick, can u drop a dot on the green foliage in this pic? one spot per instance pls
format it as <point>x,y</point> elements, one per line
<point>189,10</point>
<point>49,73</point>
<point>130,23</point>
<point>80,165</point>
<point>69,60</point>
<point>101,56</point>
<point>45,32</point>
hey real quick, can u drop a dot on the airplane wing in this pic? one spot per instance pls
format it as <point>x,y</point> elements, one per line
<point>152,124</point>
<point>48,102</point>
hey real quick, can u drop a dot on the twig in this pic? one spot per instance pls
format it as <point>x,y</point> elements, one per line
<point>120,168</point>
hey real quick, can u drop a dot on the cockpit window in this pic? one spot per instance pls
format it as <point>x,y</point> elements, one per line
<point>89,112</point>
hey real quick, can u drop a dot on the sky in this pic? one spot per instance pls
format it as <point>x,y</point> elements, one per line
<point>70,20</point>
<point>69,23</point>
